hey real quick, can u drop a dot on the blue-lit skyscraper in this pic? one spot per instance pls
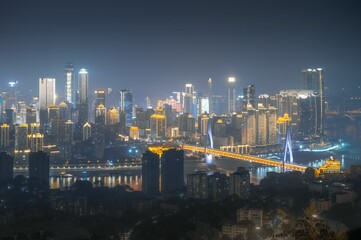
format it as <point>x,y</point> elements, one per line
<point>71,86</point>
<point>126,105</point>
<point>83,85</point>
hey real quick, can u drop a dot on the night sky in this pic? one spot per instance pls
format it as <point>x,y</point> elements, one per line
<point>155,47</point>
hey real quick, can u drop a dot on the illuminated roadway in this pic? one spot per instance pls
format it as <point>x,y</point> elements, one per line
<point>248,158</point>
<point>88,168</point>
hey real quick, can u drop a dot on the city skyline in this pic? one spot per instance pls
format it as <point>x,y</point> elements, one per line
<point>152,44</point>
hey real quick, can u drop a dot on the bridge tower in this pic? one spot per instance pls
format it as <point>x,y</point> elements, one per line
<point>209,142</point>
<point>288,149</point>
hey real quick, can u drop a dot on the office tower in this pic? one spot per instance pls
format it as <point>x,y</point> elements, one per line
<point>219,105</point>
<point>158,124</point>
<point>249,97</point>
<point>261,118</point>
<point>21,137</point>
<point>100,97</point>
<point>210,92</point>
<point>30,115</point>
<point>313,80</point>
<point>5,136</point>
<point>87,131</point>
<point>53,125</point>
<point>46,97</point>
<point>83,101</point>
<point>218,184</point>
<point>64,113</point>
<point>13,95</point>
<point>172,171</point>
<point>203,124</point>
<point>240,183</point>
<point>21,114</point>
<point>99,133</point>
<point>231,95</point>
<point>126,105</point>
<point>39,163</point>
<point>36,142</point>
<point>10,116</point>
<point>150,173</point>
<point>188,99</point>
<point>249,129</point>
<point>271,125</point>
<point>71,86</point>
<point>67,140</point>
<point>6,166</point>
<point>197,185</point>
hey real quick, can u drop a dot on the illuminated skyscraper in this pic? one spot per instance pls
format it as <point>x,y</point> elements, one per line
<point>158,124</point>
<point>188,99</point>
<point>231,95</point>
<point>46,97</point>
<point>71,86</point>
<point>21,137</point>
<point>83,96</point>
<point>126,105</point>
<point>210,92</point>
<point>249,97</point>
<point>4,136</point>
<point>37,142</point>
<point>54,122</point>
<point>100,97</point>
<point>87,131</point>
<point>313,80</point>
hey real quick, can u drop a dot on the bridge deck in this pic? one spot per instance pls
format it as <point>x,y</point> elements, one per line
<point>243,157</point>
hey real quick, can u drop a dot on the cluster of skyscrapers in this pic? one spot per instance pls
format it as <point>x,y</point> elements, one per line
<point>240,122</point>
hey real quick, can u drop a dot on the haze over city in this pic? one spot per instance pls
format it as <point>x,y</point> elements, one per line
<point>146,46</point>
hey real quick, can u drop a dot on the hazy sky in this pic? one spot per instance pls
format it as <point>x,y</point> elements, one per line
<point>155,47</point>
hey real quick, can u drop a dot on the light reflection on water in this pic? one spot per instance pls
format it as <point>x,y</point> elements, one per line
<point>134,181</point>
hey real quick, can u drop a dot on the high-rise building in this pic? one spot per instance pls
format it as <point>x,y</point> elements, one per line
<point>53,125</point>
<point>150,173</point>
<point>99,133</point>
<point>36,142</point>
<point>158,124</point>
<point>39,163</point>
<point>126,105</point>
<point>210,92</point>
<point>87,131</point>
<point>188,99</point>
<point>249,97</point>
<point>47,97</point>
<point>240,183</point>
<point>197,185</point>
<point>30,115</point>
<point>6,166</point>
<point>83,101</point>
<point>21,137</point>
<point>71,86</point>
<point>231,95</point>
<point>172,171</point>
<point>4,136</point>
<point>218,184</point>
<point>68,140</point>
<point>100,97</point>
<point>314,80</point>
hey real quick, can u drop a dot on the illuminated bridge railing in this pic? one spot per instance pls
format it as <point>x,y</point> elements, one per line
<point>244,157</point>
